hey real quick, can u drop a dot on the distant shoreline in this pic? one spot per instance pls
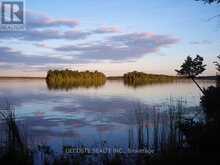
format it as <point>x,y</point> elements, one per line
<point>109,77</point>
<point>4,77</point>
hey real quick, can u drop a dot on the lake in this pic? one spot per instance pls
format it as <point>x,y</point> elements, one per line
<point>114,114</point>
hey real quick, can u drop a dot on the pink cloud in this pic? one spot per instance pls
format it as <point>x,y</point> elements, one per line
<point>39,20</point>
<point>107,30</point>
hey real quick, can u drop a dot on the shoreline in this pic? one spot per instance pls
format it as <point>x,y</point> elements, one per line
<point>111,77</point>
<point>22,77</point>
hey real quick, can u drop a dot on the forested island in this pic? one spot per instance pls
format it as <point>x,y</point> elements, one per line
<point>67,79</point>
<point>140,78</point>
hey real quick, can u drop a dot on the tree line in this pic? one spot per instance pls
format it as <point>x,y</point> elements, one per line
<point>140,78</point>
<point>59,79</point>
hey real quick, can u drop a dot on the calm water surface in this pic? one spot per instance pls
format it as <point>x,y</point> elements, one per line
<point>90,115</point>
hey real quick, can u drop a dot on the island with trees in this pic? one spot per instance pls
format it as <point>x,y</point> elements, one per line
<point>136,78</point>
<point>67,79</point>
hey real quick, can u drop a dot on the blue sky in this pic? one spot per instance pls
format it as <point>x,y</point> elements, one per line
<point>114,36</point>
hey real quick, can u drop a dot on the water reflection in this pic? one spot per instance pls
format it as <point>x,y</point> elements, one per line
<point>152,128</point>
<point>114,113</point>
<point>147,83</point>
<point>72,85</point>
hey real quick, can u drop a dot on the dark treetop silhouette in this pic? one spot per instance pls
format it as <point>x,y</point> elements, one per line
<point>217,64</point>
<point>192,68</point>
<point>210,1</point>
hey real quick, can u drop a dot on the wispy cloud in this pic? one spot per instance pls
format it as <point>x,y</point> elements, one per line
<point>116,46</point>
<point>103,30</point>
<point>41,35</point>
<point>41,27</point>
<point>203,42</point>
<point>122,47</point>
<point>39,20</point>
<point>45,34</point>
<point>10,55</point>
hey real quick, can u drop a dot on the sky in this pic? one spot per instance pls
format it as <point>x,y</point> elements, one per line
<point>114,36</point>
